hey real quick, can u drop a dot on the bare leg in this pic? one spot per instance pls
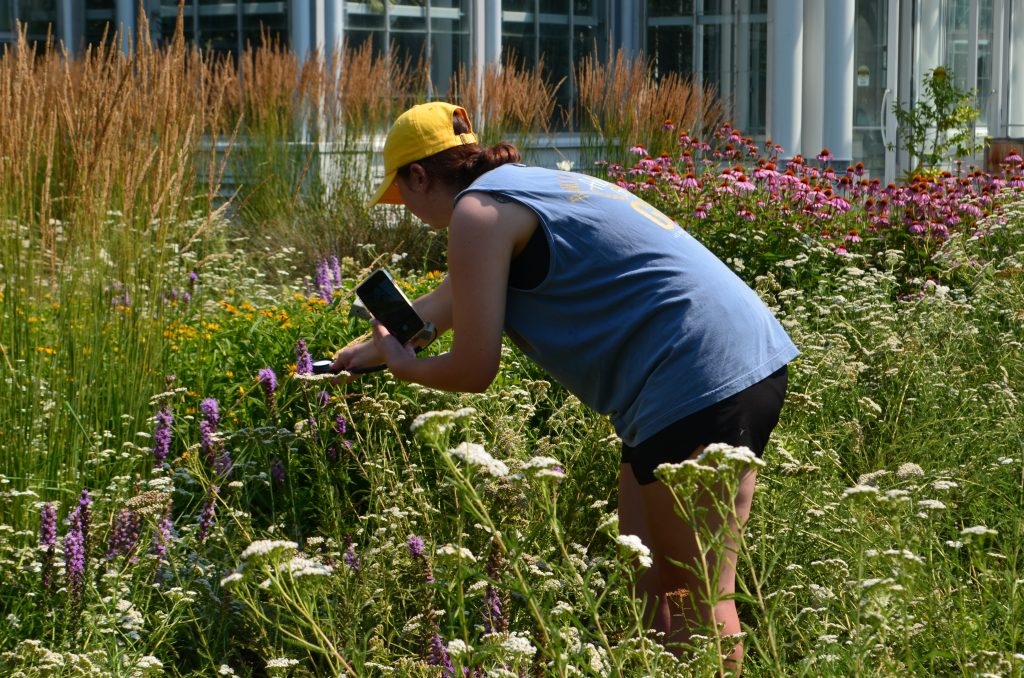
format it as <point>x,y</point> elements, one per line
<point>676,594</point>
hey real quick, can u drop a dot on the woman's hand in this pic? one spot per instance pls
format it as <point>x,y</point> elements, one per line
<point>359,354</point>
<point>394,354</point>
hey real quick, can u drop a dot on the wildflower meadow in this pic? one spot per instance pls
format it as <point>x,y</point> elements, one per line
<point>180,495</point>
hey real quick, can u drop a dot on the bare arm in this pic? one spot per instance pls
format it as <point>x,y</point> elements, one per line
<point>483,237</point>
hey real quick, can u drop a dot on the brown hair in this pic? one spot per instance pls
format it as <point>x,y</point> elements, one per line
<point>460,166</point>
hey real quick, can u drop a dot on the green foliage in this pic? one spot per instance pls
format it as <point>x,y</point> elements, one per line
<point>940,124</point>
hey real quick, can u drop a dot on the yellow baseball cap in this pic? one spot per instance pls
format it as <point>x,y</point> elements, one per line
<point>419,133</point>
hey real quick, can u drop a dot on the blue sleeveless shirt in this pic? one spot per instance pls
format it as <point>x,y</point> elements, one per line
<point>635,317</point>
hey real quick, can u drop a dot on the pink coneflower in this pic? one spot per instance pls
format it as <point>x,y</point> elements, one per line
<point>638,150</point>
<point>852,236</point>
<point>825,156</point>
<point>746,214</point>
<point>743,184</point>
<point>690,181</point>
<point>667,126</point>
<point>1013,157</point>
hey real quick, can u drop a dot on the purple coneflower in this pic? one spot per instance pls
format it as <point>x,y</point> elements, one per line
<point>48,541</point>
<point>825,156</point>
<point>162,435</point>
<point>638,150</point>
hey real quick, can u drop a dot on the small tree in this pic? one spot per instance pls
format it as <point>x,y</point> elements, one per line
<point>940,124</point>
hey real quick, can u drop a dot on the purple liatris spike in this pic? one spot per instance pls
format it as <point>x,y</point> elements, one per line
<point>335,269</point>
<point>340,425</point>
<point>415,545</point>
<point>324,284</point>
<point>224,465</point>
<point>303,363</point>
<point>124,536</point>
<point>268,380</point>
<point>437,654</point>
<point>84,515</point>
<point>48,541</point>
<point>277,471</point>
<point>210,410</point>
<point>162,536</point>
<point>162,435</point>
<point>350,557</point>
<point>208,427</point>
<point>74,567</point>
<point>324,398</point>
<point>209,510</point>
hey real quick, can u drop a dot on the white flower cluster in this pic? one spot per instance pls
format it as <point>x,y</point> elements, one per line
<point>518,643</point>
<point>544,467</point>
<point>634,545</point>
<point>281,663</point>
<point>440,420</point>
<point>299,566</point>
<point>977,531</point>
<point>267,547</point>
<point>455,552</point>
<point>474,454</point>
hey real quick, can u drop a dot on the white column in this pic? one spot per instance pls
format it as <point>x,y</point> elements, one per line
<point>930,35</point>
<point>67,26</point>
<point>124,13</point>
<point>741,90</point>
<point>837,121</point>
<point>785,62</point>
<point>997,103</point>
<point>318,33</point>
<point>812,107</point>
<point>1015,76</point>
<point>334,27</point>
<point>301,29</point>
<point>492,32</point>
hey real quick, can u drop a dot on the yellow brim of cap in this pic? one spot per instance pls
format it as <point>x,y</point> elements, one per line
<point>387,193</point>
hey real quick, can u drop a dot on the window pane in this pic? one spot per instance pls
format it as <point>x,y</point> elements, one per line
<point>263,21</point>
<point>449,44</point>
<point>669,7</point>
<point>6,12</point>
<point>671,49</point>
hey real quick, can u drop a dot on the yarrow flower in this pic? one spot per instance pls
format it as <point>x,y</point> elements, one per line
<point>268,547</point>
<point>636,547</point>
<point>475,455</point>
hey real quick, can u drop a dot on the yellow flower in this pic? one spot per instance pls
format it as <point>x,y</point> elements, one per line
<point>46,349</point>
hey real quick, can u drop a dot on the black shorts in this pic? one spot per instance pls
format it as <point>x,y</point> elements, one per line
<point>745,419</point>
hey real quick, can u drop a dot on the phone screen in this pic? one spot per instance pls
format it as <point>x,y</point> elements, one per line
<point>389,305</point>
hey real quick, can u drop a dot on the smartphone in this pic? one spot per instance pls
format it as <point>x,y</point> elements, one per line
<point>389,305</point>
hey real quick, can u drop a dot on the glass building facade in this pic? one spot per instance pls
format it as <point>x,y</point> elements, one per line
<point>786,68</point>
